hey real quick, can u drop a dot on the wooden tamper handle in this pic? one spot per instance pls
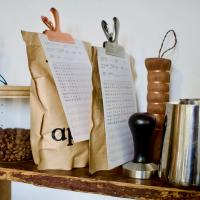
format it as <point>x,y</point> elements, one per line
<point>157,95</point>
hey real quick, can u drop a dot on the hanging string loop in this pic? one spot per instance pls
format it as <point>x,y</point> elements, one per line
<point>174,45</point>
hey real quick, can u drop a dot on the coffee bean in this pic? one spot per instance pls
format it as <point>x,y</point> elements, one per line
<point>15,145</point>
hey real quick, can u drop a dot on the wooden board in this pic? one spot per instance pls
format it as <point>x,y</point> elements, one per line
<point>14,91</point>
<point>105,182</point>
<point>5,190</point>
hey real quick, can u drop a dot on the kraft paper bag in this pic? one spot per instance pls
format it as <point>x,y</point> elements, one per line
<point>47,115</point>
<point>98,151</point>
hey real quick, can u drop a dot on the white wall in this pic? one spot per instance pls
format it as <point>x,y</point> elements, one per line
<point>23,191</point>
<point>143,25</point>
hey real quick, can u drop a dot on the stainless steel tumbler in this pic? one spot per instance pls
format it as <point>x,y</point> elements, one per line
<point>180,159</point>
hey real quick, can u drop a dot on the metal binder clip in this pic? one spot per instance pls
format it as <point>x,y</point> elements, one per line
<point>54,33</point>
<point>112,47</point>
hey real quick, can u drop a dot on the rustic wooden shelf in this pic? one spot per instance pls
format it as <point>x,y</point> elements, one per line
<point>111,182</point>
<point>8,91</point>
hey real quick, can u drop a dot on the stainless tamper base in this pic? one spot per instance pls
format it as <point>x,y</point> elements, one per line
<point>140,170</point>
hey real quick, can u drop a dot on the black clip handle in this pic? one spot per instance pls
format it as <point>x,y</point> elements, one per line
<point>111,36</point>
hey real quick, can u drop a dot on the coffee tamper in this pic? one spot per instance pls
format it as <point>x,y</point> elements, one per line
<point>142,126</point>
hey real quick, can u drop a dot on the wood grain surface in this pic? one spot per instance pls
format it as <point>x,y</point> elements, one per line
<point>111,182</point>
<point>5,190</point>
<point>14,91</point>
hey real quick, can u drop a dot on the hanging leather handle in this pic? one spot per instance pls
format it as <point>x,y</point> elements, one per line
<point>174,45</point>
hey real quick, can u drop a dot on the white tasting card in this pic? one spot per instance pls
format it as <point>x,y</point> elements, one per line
<point>119,101</point>
<point>72,72</point>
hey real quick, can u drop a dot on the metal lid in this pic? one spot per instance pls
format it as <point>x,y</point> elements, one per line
<point>190,101</point>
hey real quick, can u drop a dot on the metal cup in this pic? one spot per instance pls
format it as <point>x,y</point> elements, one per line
<point>180,160</point>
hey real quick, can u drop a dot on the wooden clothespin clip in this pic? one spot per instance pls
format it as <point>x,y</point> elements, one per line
<point>112,47</point>
<point>54,33</point>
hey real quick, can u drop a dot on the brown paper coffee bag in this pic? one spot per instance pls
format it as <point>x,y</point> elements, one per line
<point>98,151</point>
<point>47,115</point>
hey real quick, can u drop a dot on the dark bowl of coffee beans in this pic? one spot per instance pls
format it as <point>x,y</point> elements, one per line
<point>15,145</point>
